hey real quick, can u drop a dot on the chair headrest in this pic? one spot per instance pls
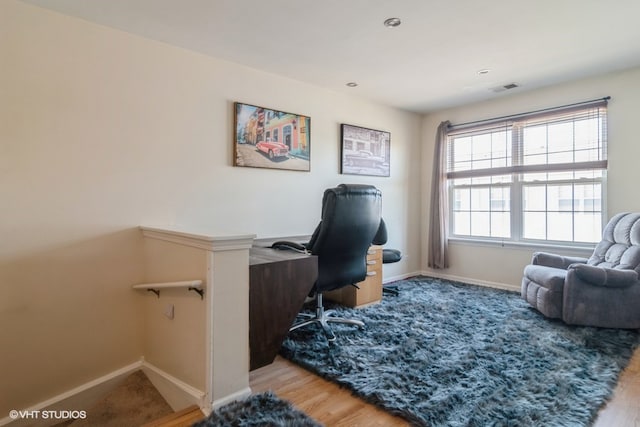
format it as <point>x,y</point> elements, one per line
<point>620,244</point>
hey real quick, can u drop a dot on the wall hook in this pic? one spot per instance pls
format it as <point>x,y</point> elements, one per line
<point>198,290</point>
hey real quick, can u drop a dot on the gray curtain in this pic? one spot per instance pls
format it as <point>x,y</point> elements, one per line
<point>438,248</point>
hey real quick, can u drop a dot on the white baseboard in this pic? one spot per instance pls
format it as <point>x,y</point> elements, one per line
<point>80,398</point>
<point>469,280</point>
<point>242,394</point>
<point>387,280</point>
<point>177,393</point>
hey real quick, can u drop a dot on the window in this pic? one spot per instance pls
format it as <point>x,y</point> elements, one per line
<point>536,177</point>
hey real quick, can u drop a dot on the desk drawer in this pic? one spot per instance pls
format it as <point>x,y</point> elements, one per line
<point>370,288</point>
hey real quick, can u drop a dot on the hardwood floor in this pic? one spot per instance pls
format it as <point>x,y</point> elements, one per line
<point>183,418</point>
<point>624,408</point>
<point>335,406</point>
<point>320,399</point>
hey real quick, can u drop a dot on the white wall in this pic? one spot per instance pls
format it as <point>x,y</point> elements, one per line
<point>505,265</point>
<point>103,131</point>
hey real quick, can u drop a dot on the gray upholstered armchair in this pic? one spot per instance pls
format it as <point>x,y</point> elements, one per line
<point>603,290</point>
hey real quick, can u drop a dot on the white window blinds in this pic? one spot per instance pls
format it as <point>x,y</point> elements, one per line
<point>570,138</point>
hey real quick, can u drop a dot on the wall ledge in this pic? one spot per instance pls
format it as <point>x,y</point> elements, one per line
<point>200,240</point>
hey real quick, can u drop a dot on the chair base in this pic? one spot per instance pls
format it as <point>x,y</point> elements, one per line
<point>391,290</point>
<point>324,317</point>
<point>389,256</point>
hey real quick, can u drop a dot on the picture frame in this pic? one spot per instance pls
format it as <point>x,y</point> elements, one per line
<point>271,139</point>
<point>365,151</point>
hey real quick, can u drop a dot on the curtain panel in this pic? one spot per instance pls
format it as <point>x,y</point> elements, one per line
<point>438,247</point>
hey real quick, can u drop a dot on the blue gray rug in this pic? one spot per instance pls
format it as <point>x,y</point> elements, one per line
<point>264,410</point>
<point>450,354</point>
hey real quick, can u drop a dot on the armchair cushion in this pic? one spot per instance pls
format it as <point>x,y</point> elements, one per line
<point>553,278</point>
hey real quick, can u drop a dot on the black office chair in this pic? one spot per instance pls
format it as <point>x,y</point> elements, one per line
<point>350,219</point>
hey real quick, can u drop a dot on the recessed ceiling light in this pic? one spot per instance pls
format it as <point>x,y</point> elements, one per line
<point>484,71</point>
<point>352,84</point>
<point>392,22</point>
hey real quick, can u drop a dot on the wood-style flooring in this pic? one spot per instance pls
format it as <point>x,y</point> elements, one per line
<point>183,418</point>
<point>624,409</point>
<point>335,406</point>
<point>322,400</point>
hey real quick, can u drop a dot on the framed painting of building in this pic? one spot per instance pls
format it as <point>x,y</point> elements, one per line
<point>272,139</point>
<point>365,151</point>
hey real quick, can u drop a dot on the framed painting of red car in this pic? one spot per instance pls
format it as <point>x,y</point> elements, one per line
<point>266,138</point>
<point>365,151</point>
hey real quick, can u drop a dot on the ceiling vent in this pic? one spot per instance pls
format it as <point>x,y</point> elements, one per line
<point>505,87</point>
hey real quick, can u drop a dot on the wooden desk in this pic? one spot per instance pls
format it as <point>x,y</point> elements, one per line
<point>370,291</point>
<point>279,282</point>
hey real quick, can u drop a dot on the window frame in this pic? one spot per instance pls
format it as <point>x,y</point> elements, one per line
<point>517,171</point>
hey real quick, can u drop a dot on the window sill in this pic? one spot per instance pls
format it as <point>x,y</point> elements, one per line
<point>585,251</point>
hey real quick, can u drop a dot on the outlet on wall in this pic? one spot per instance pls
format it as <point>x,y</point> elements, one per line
<point>168,311</point>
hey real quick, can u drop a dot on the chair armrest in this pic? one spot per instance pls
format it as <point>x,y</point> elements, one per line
<point>605,277</point>
<point>556,261</point>
<point>314,237</point>
<point>381,235</point>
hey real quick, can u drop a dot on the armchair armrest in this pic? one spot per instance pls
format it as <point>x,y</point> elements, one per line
<point>605,277</point>
<point>556,261</point>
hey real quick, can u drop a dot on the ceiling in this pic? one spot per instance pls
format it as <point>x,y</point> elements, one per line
<point>430,62</point>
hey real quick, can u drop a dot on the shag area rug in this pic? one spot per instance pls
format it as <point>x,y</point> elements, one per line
<point>451,354</point>
<point>264,409</point>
